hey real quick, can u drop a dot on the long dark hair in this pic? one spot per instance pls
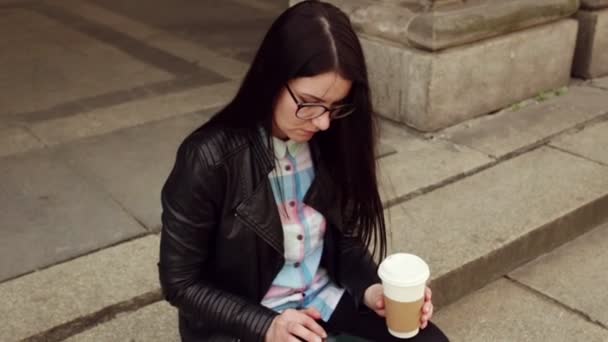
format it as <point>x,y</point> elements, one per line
<point>309,39</point>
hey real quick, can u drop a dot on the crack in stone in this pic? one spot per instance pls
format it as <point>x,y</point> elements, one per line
<point>511,155</point>
<point>81,324</point>
<point>545,296</point>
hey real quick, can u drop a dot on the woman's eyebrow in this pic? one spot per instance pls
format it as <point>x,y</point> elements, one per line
<point>321,100</point>
<point>313,97</point>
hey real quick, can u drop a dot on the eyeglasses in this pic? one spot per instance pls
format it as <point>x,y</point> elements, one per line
<point>308,111</point>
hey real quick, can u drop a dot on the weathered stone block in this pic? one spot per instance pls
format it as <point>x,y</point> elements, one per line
<point>433,25</point>
<point>594,4</point>
<point>430,91</point>
<point>471,21</point>
<point>591,57</point>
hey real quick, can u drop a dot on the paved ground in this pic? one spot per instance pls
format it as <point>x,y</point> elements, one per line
<point>96,95</point>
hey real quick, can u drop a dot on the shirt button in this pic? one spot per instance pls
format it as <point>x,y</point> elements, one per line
<point>300,237</point>
<point>296,265</point>
<point>292,204</point>
<point>287,167</point>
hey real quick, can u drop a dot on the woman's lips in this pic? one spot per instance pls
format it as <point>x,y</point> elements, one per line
<point>306,133</point>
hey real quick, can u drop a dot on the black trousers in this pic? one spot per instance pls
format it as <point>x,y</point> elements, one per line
<point>346,319</point>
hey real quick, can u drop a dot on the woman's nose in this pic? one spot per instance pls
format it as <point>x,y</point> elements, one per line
<point>322,122</point>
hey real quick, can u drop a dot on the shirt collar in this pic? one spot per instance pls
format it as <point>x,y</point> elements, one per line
<point>282,147</point>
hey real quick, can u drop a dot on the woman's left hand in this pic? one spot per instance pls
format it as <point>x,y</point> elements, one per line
<point>374,299</point>
<point>427,308</point>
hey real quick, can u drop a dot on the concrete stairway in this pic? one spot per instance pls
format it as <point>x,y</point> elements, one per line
<point>477,200</point>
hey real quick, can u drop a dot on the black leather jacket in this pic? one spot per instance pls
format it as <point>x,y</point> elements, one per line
<point>222,239</point>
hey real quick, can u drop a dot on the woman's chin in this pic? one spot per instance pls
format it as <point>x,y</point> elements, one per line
<point>301,137</point>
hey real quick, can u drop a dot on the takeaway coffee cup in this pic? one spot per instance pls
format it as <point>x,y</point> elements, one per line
<point>404,278</point>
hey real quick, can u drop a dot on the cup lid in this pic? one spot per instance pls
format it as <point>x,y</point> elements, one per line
<point>403,269</point>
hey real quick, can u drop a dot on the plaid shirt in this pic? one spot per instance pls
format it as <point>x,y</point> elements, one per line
<point>301,283</point>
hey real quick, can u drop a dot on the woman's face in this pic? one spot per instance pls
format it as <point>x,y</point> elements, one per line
<point>328,89</point>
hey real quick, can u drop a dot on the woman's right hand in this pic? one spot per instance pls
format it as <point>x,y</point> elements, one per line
<point>294,326</point>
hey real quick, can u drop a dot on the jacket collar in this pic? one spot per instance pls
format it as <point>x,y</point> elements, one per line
<point>258,209</point>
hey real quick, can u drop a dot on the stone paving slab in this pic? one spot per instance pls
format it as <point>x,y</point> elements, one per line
<point>42,300</point>
<point>229,29</point>
<point>481,227</point>
<point>156,322</point>
<point>509,131</point>
<point>106,120</point>
<point>384,150</point>
<point>94,13</point>
<point>574,274</point>
<point>503,311</point>
<point>18,24</point>
<point>156,37</point>
<point>592,142</point>
<point>204,57</point>
<point>48,213</point>
<point>135,48</point>
<point>132,164</point>
<point>45,72</point>
<point>16,140</point>
<point>274,6</point>
<point>601,82</point>
<point>419,164</point>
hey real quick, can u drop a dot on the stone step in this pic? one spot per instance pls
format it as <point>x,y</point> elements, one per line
<point>503,311</point>
<point>132,113</point>
<point>557,297</point>
<point>525,125</point>
<point>60,301</point>
<point>423,162</point>
<point>601,83</point>
<point>436,162</point>
<point>573,275</point>
<point>155,322</point>
<point>473,216</point>
<point>461,207</point>
<point>471,232</point>
<point>530,299</point>
<point>541,308</point>
<point>481,227</point>
<point>87,190</point>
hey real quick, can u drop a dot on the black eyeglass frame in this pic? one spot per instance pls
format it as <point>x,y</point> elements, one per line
<point>326,109</point>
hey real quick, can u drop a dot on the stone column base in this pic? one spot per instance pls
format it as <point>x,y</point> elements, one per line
<point>434,90</point>
<point>591,58</point>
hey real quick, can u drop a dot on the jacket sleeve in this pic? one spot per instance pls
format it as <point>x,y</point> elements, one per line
<point>357,268</point>
<point>191,202</point>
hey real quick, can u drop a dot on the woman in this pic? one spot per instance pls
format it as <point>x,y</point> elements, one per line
<point>271,207</point>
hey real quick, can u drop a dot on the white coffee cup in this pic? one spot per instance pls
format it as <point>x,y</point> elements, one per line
<point>404,278</point>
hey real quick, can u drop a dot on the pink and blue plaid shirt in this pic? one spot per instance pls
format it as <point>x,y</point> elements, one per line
<point>301,283</point>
